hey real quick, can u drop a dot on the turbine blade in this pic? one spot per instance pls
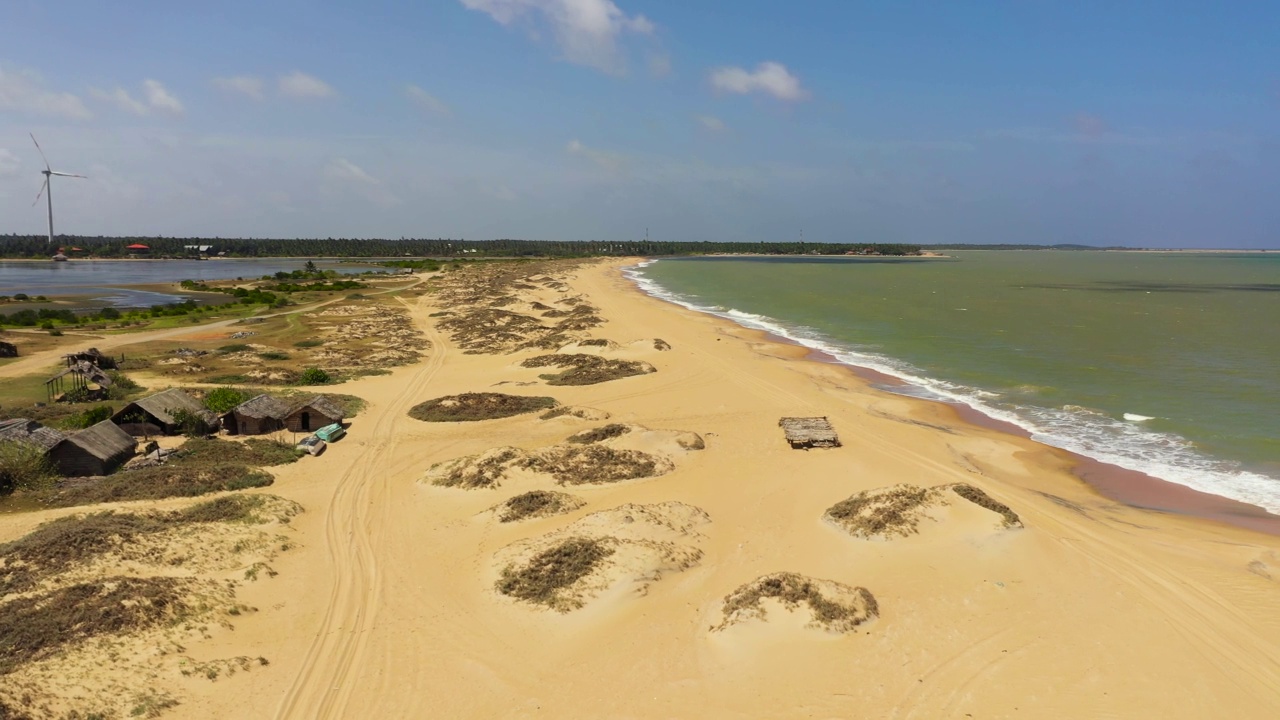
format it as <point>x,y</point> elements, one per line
<point>43,185</point>
<point>51,172</point>
<point>42,157</point>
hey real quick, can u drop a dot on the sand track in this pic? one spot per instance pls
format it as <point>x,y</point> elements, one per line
<point>323,685</point>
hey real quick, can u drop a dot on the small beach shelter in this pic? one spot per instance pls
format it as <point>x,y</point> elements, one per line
<point>312,413</point>
<point>256,416</point>
<point>809,432</point>
<point>154,415</point>
<point>96,450</point>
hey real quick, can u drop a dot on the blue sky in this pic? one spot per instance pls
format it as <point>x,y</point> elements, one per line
<point>1026,121</point>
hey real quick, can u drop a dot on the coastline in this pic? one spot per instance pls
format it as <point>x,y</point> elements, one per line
<point>386,603</point>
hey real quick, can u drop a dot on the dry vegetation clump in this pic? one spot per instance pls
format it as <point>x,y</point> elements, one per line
<point>586,369</point>
<point>594,342</point>
<point>582,413</point>
<point>600,434</point>
<point>485,470</point>
<point>34,627</point>
<point>55,546</point>
<point>540,307</point>
<point>592,464</point>
<point>835,607</point>
<point>253,451</point>
<point>374,336</point>
<point>887,512</point>
<point>536,504</point>
<point>547,576</point>
<point>660,344</point>
<point>153,483</point>
<point>981,499</point>
<point>470,407</point>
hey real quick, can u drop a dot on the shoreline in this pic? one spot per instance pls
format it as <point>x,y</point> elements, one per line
<point>1134,488</point>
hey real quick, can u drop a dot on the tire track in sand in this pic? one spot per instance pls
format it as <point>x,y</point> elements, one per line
<point>353,529</point>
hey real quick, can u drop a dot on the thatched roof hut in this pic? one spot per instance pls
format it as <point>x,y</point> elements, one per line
<point>256,416</point>
<point>155,414</point>
<point>809,432</point>
<point>96,450</point>
<point>30,432</point>
<point>313,413</point>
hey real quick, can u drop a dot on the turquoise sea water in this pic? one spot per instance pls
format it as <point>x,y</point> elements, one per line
<point>1167,363</point>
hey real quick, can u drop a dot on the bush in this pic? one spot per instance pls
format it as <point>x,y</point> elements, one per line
<point>314,376</point>
<point>273,355</point>
<point>221,400</point>
<point>308,343</point>
<point>191,424</point>
<point>92,416</point>
<point>23,467</point>
<point>46,325</point>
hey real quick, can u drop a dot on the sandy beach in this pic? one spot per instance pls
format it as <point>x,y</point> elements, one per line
<point>385,605</point>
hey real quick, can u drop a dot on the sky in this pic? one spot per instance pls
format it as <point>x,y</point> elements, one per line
<point>1152,124</point>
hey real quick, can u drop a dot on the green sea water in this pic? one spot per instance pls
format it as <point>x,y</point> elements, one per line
<point>1168,363</point>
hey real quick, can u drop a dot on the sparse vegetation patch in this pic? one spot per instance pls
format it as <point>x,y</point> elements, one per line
<point>981,499</point>
<point>591,464</point>
<point>546,579</point>
<point>600,434</point>
<point>584,369</point>
<point>153,483</point>
<point>536,504</point>
<point>888,512</point>
<point>835,607</point>
<point>470,407</point>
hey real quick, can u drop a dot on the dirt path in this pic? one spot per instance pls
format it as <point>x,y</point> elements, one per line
<point>353,537</point>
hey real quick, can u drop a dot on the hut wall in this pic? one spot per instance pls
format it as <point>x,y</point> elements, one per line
<point>255,426</point>
<point>74,461</point>
<point>144,429</point>
<point>316,420</point>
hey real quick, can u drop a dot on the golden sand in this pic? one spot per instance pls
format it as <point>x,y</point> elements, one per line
<point>387,607</point>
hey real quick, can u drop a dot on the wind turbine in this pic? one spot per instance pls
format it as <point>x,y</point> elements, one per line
<point>47,188</point>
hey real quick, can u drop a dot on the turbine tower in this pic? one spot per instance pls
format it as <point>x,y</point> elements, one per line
<point>47,188</point>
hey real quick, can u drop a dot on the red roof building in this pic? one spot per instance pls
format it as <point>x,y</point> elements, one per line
<point>136,246</point>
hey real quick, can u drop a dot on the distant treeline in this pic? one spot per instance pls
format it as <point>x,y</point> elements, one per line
<point>33,246</point>
<point>1063,246</point>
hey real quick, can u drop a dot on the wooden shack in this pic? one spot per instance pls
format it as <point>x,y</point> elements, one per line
<point>312,413</point>
<point>155,414</point>
<point>256,416</point>
<point>94,356</point>
<point>30,432</point>
<point>96,450</point>
<point>809,432</point>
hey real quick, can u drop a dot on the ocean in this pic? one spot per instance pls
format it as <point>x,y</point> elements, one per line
<point>1165,363</point>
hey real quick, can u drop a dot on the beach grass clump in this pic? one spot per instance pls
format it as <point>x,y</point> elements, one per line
<point>886,512</point>
<point>594,342</point>
<point>600,434</point>
<point>476,472</point>
<point>595,464</point>
<point>154,483</point>
<point>581,369</point>
<point>547,578</point>
<point>536,504</point>
<point>660,344</point>
<point>835,607</point>
<point>35,627</point>
<point>983,500</point>
<point>472,407</point>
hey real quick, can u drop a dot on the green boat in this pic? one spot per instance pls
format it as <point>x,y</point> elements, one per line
<point>329,433</point>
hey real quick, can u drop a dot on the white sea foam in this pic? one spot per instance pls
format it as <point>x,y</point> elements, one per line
<point>1125,443</point>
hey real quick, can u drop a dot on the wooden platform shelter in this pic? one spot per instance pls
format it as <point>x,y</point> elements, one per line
<point>809,432</point>
<point>93,356</point>
<point>79,374</point>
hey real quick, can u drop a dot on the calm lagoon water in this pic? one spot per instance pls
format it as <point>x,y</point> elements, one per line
<point>99,278</point>
<point>1165,363</point>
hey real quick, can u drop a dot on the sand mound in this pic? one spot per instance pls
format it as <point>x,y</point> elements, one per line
<point>485,470</point>
<point>638,437</point>
<point>574,411</point>
<point>582,369</point>
<point>832,606</point>
<point>897,511</point>
<point>536,504</point>
<point>594,464</point>
<point>600,434</point>
<point>470,407</point>
<point>608,552</point>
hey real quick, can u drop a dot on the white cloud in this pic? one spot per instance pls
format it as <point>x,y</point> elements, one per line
<point>241,84</point>
<point>341,176</point>
<point>770,78</point>
<point>23,91</point>
<point>709,122</point>
<point>587,31</point>
<point>613,162</point>
<point>9,163</point>
<point>121,99</point>
<point>425,101</point>
<point>302,85</point>
<point>161,99</point>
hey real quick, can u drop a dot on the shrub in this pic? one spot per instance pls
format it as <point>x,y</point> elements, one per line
<point>308,343</point>
<point>314,376</point>
<point>222,399</point>
<point>273,355</point>
<point>23,467</point>
<point>191,424</point>
<point>46,325</point>
<point>234,348</point>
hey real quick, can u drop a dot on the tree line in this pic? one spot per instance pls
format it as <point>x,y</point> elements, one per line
<point>36,246</point>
